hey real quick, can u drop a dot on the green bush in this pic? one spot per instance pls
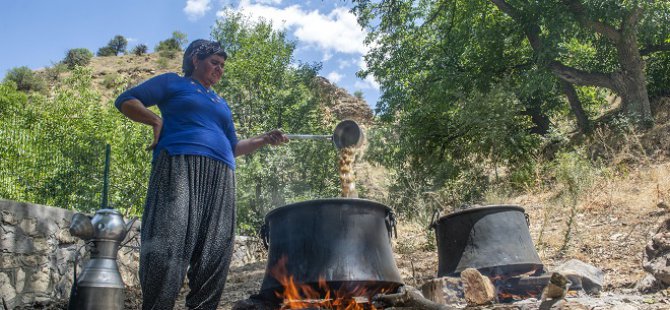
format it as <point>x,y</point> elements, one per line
<point>658,75</point>
<point>25,79</point>
<point>170,44</point>
<point>77,57</point>
<point>139,50</point>
<point>105,51</point>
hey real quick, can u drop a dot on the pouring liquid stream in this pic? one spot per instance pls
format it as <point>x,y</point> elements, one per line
<point>347,177</point>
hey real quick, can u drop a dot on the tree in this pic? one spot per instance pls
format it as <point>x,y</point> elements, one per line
<point>25,79</point>
<point>168,48</point>
<point>264,92</point>
<point>77,57</point>
<point>115,46</point>
<point>180,37</point>
<point>614,24</point>
<point>139,50</point>
<point>105,51</point>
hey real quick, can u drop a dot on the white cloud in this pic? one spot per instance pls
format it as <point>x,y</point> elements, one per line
<point>337,31</point>
<point>269,1</point>
<point>327,55</point>
<point>343,64</point>
<point>195,9</point>
<point>334,77</point>
<point>368,83</point>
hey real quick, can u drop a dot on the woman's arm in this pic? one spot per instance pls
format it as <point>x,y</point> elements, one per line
<point>246,146</point>
<point>136,111</point>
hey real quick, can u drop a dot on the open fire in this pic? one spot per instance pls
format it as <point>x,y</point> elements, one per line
<point>321,295</point>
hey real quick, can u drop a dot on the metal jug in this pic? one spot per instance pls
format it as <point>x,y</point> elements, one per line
<point>99,286</point>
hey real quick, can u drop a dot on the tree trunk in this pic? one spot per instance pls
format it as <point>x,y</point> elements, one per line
<point>576,106</point>
<point>537,116</point>
<point>631,82</point>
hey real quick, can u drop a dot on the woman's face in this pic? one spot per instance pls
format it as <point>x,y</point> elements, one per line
<point>209,70</point>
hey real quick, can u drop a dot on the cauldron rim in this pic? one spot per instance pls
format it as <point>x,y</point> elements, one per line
<point>496,208</point>
<point>326,201</point>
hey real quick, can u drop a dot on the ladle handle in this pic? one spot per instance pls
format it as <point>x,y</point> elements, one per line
<point>309,137</point>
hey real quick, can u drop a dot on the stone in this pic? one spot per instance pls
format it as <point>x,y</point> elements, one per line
<point>9,217</point>
<point>7,290</point>
<point>582,275</point>
<point>444,290</point>
<point>40,280</point>
<point>63,236</point>
<point>657,255</point>
<point>29,226</point>
<point>20,280</point>
<point>477,288</point>
<point>648,284</point>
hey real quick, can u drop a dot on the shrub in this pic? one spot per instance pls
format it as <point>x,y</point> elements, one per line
<point>140,50</point>
<point>105,51</point>
<point>77,57</point>
<point>170,44</point>
<point>25,79</point>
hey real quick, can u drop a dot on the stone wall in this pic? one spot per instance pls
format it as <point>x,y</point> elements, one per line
<point>38,253</point>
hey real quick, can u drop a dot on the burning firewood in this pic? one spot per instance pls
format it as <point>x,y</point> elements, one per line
<point>477,288</point>
<point>407,298</point>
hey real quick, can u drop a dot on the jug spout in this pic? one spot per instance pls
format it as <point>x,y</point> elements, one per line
<point>81,226</point>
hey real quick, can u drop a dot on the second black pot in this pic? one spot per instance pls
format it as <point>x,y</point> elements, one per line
<point>493,239</point>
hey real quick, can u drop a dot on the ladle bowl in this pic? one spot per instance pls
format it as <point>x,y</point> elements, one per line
<point>347,134</point>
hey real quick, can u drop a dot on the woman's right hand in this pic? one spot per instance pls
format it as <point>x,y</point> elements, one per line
<point>157,127</point>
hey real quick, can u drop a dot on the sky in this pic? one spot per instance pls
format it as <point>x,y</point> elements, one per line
<point>38,33</point>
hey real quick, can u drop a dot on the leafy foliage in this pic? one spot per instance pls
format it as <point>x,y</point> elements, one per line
<point>25,79</point>
<point>77,57</point>
<point>169,48</point>
<point>115,46</point>
<point>266,92</point>
<point>139,50</point>
<point>468,86</point>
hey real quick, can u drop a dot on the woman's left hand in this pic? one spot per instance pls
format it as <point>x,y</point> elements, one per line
<point>275,137</point>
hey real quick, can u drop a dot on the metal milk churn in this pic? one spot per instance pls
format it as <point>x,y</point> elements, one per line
<point>99,286</point>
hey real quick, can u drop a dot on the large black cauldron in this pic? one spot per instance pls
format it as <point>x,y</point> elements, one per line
<point>493,239</point>
<point>345,241</point>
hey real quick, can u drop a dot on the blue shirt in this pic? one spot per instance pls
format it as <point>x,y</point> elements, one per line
<point>196,121</point>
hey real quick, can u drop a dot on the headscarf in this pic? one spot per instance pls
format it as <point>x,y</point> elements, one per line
<point>202,49</point>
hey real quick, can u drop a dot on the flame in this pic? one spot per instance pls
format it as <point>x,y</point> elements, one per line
<point>304,296</point>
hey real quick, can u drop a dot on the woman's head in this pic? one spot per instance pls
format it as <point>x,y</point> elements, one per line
<point>200,50</point>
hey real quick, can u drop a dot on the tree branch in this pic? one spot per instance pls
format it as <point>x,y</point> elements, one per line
<point>581,77</point>
<point>532,30</point>
<point>568,74</point>
<point>655,48</point>
<point>577,9</point>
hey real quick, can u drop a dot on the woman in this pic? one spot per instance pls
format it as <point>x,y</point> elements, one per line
<point>189,217</point>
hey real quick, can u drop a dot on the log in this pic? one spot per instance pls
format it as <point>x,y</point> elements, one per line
<point>407,297</point>
<point>477,288</point>
<point>444,290</point>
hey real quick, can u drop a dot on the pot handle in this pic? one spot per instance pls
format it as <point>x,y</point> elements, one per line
<point>265,236</point>
<point>434,218</point>
<point>391,224</point>
<point>527,218</point>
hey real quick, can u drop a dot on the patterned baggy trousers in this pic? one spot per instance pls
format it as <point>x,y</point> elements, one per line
<point>187,229</point>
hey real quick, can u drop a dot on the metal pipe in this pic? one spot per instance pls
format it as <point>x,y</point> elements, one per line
<point>310,137</point>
